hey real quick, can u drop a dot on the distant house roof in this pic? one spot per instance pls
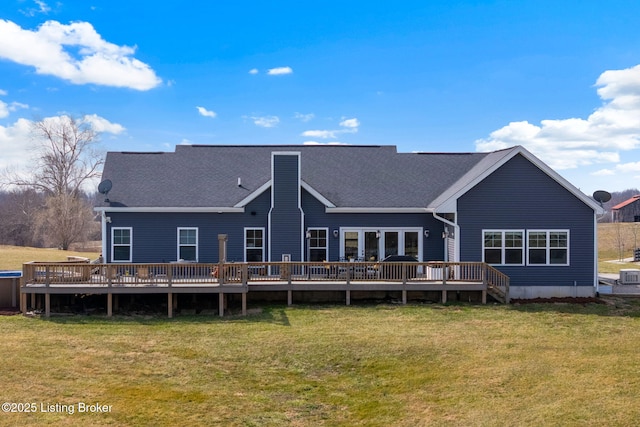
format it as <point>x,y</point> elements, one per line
<point>350,176</point>
<point>626,203</point>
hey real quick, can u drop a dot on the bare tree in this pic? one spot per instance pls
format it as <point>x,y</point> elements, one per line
<point>65,160</point>
<point>18,210</point>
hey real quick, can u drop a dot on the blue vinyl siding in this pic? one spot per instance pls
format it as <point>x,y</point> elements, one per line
<point>286,216</point>
<point>155,234</point>
<point>316,217</point>
<point>520,196</point>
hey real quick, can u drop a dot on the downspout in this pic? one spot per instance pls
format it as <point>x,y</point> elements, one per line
<point>103,220</point>
<point>595,253</point>
<point>456,240</point>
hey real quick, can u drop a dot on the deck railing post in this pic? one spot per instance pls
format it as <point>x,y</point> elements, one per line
<point>445,272</point>
<point>404,273</point>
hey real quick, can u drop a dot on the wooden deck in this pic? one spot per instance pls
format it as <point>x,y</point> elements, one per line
<point>172,279</point>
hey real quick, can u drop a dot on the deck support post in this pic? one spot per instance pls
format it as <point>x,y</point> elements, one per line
<point>170,305</point>
<point>289,297</point>
<point>348,296</point>
<point>244,303</point>
<point>23,302</point>
<point>221,304</point>
<point>484,296</point>
<point>109,304</point>
<point>47,304</point>
<point>404,296</point>
<point>33,301</point>
<point>444,296</point>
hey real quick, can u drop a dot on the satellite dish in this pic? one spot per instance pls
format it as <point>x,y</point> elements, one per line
<point>104,187</point>
<point>602,196</point>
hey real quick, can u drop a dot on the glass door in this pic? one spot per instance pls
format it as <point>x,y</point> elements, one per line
<point>411,243</point>
<point>371,246</point>
<point>390,243</point>
<point>351,239</point>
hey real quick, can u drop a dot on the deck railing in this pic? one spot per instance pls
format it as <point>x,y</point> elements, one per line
<point>169,274</point>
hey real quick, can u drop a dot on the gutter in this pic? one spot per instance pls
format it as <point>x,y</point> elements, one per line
<point>456,240</point>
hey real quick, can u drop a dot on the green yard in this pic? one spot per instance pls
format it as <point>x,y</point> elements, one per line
<point>366,365</point>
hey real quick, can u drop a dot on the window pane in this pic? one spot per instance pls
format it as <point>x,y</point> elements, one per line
<point>493,256</point>
<point>318,255</point>
<point>121,253</point>
<point>513,239</point>
<point>513,256</point>
<point>411,243</point>
<point>492,239</point>
<point>121,236</point>
<point>538,239</point>
<point>351,244</point>
<point>188,237</point>
<point>537,256</point>
<point>390,243</point>
<point>558,256</point>
<point>254,255</point>
<point>188,253</point>
<point>558,240</point>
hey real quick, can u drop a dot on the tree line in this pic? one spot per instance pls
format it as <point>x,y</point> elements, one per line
<point>51,203</point>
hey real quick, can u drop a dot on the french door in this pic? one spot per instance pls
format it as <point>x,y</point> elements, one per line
<point>364,244</point>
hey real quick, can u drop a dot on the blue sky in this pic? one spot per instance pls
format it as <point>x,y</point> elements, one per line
<point>560,78</point>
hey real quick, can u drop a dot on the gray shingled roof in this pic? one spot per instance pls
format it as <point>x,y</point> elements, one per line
<point>348,176</point>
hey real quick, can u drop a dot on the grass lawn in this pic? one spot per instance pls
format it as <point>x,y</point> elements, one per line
<point>12,257</point>
<point>543,364</point>
<point>364,365</point>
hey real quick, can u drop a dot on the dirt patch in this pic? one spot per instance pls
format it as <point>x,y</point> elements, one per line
<point>563,300</point>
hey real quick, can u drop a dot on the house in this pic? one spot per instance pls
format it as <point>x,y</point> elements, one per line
<point>314,203</point>
<point>627,211</point>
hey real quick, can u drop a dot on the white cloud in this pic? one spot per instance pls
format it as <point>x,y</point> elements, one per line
<point>570,143</point>
<point>253,71</point>
<point>76,53</point>
<point>5,108</point>
<point>304,117</point>
<point>265,121</point>
<point>15,144</point>
<point>323,143</point>
<point>350,123</point>
<point>278,71</point>
<point>347,125</point>
<point>206,113</point>
<point>17,141</point>
<point>42,7</point>
<point>3,92</point>
<point>102,125</point>
<point>324,134</point>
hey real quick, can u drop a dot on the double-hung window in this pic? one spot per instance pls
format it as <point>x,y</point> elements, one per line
<point>121,238</point>
<point>503,247</point>
<point>548,247</point>
<point>317,244</point>
<point>187,244</point>
<point>254,244</point>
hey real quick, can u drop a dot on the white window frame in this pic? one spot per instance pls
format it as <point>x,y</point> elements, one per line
<point>503,247</point>
<point>548,248</point>
<point>179,245</point>
<point>130,245</point>
<point>253,247</point>
<point>326,247</point>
